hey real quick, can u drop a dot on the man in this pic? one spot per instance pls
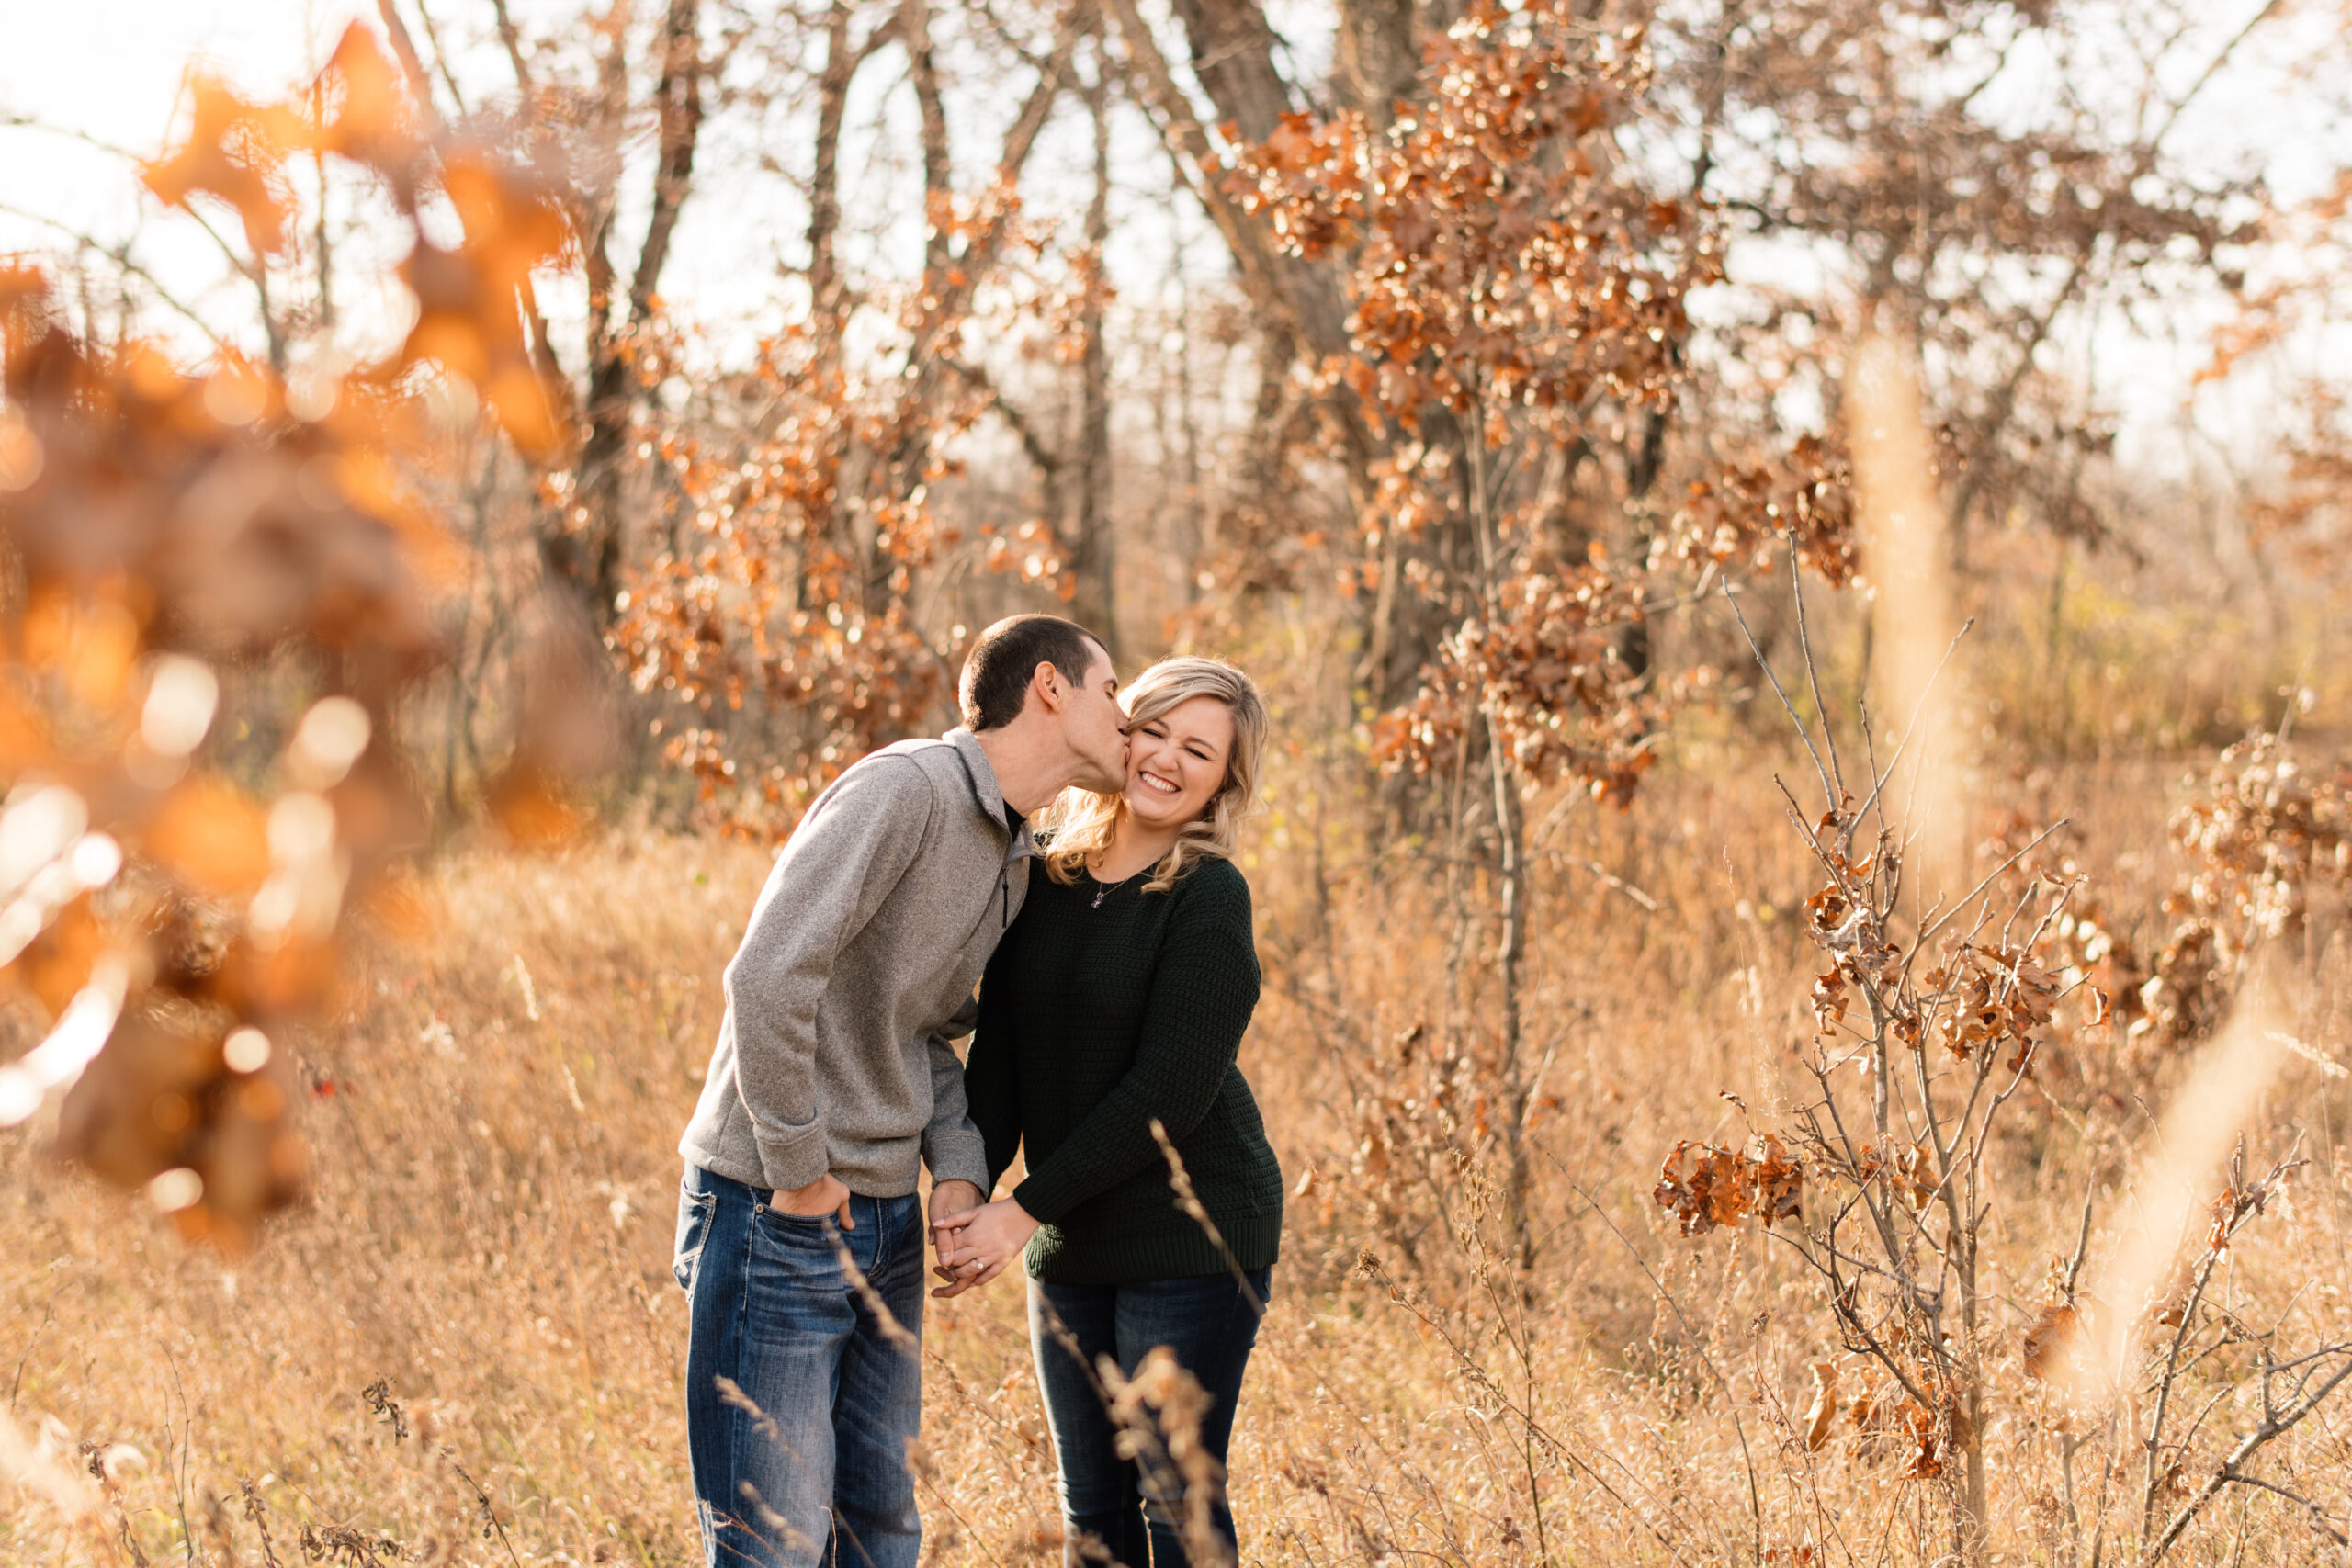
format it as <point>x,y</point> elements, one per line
<point>831,1077</point>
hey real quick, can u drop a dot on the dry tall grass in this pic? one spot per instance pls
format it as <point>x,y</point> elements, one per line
<point>489,1238</point>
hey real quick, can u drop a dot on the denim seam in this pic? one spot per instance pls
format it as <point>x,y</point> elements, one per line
<point>740,1339</point>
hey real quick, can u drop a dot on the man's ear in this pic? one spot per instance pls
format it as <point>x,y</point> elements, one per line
<point>1046,685</point>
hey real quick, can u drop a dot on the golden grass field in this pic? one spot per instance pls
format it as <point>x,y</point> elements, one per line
<point>490,1231</point>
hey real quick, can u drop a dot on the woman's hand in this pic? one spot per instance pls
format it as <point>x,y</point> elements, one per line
<point>975,1246</point>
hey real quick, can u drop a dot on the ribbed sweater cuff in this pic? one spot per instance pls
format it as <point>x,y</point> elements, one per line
<point>792,1158</point>
<point>1042,1202</point>
<point>958,1155</point>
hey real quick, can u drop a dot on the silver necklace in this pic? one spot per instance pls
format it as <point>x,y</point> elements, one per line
<point>1103,890</point>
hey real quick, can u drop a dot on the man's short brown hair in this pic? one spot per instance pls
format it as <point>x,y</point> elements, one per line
<point>997,671</point>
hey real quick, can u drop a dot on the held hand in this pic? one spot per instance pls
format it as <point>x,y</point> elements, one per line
<point>952,1197</point>
<point>976,1248</point>
<point>826,1193</point>
<point>951,1201</point>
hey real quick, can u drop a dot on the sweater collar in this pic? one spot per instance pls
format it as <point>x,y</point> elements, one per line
<point>989,795</point>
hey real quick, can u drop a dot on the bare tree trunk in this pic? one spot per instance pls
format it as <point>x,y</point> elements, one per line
<point>1510,884</point>
<point>1302,295</point>
<point>824,187</point>
<point>1376,56</point>
<point>322,238</point>
<point>914,19</point>
<point>585,556</point>
<point>1233,59</point>
<point>678,97</point>
<point>1190,542</point>
<point>566,540</point>
<point>1511,953</point>
<point>1092,553</point>
<point>1254,515</point>
<point>913,26</point>
<point>929,355</point>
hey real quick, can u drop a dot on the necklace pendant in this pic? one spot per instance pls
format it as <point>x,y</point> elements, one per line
<point>1101,894</point>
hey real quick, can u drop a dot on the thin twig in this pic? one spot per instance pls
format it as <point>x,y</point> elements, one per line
<point>1990,877</point>
<point>1805,733</point>
<point>1895,758</point>
<point>1813,677</point>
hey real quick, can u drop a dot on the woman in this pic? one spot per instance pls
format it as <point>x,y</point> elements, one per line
<point>1119,997</point>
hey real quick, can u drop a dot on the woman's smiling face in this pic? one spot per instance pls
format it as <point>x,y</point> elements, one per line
<point>1176,762</point>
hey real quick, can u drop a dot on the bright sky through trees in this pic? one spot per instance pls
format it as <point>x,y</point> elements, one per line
<point>111,72</point>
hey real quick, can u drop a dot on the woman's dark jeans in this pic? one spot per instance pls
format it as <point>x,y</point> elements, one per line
<point>1135,1512</point>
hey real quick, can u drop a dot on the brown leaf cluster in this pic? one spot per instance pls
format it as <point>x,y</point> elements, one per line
<point>187,545</point>
<point>1547,667</point>
<point>1705,1186</point>
<point>2263,832</point>
<point>1922,1439</point>
<point>1503,257</point>
<point>1846,918</point>
<point>2190,988</point>
<point>1991,996</point>
<point>236,151</point>
<point>1908,1168</point>
<point>1850,931</point>
<point>2306,518</point>
<point>472,297</point>
<point>775,597</point>
<point>2048,1339</point>
<point>2264,836</point>
<point>2241,1202</point>
<point>1748,514</point>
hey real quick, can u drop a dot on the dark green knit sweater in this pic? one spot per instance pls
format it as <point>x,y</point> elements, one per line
<point>1093,1021</point>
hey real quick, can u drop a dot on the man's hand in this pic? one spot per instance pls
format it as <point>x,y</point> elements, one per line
<point>823,1194</point>
<point>975,1248</point>
<point>950,1200</point>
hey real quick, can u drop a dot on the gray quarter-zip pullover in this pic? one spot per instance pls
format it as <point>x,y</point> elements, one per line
<point>855,972</point>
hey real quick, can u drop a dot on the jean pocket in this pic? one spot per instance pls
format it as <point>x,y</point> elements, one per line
<point>695,1211</point>
<point>799,1228</point>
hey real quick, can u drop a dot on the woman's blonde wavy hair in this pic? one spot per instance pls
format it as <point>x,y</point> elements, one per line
<point>1077,825</point>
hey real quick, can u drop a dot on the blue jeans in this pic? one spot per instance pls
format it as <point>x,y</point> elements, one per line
<point>1135,1510</point>
<point>817,1474</point>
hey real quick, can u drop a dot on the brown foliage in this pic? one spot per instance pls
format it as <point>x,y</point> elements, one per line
<point>230,536</point>
<point>1548,670</point>
<point>236,151</point>
<point>783,597</point>
<point>1749,515</point>
<point>2264,830</point>
<point>1704,1187</point>
<point>1991,995</point>
<point>2265,834</point>
<point>1500,259</point>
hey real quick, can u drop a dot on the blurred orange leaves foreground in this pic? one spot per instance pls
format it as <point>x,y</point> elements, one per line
<point>472,299</point>
<point>221,603</point>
